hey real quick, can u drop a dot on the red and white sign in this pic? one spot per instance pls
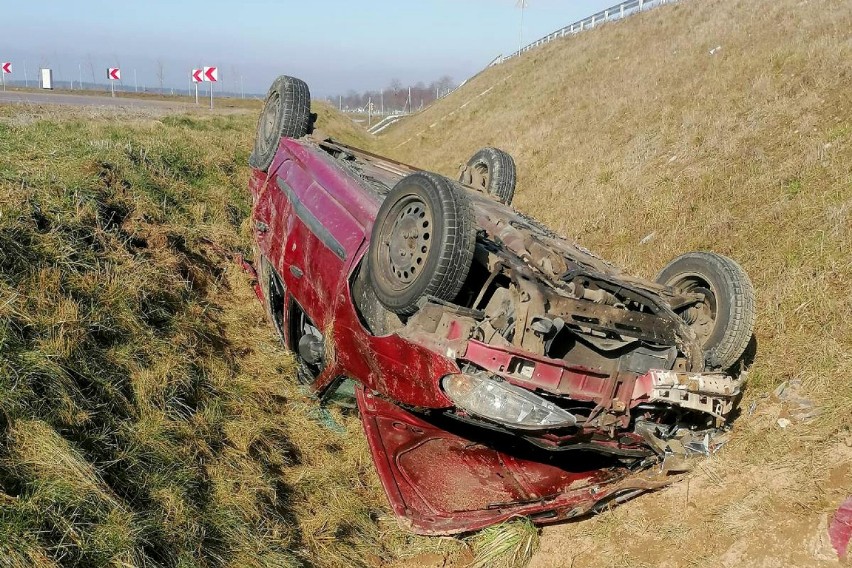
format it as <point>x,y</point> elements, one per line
<point>197,75</point>
<point>211,74</point>
<point>114,74</point>
<point>7,67</point>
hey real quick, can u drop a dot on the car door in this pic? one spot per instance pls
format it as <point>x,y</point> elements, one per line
<point>322,236</point>
<point>271,213</point>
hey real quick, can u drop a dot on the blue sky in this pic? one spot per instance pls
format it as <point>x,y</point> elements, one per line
<point>335,45</point>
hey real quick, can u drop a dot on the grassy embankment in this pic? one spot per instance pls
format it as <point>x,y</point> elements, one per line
<point>150,379</point>
<point>147,415</point>
<point>635,130</point>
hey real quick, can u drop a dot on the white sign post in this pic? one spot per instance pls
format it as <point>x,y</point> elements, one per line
<point>197,77</point>
<point>211,75</point>
<point>113,74</point>
<point>7,68</point>
<point>46,78</point>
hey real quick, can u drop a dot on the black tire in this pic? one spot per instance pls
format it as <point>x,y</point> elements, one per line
<point>724,322</point>
<point>428,222</point>
<point>493,171</point>
<point>286,113</point>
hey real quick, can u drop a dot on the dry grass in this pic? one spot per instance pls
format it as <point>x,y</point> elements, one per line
<point>507,545</point>
<point>340,126</point>
<point>148,417</point>
<point>635,129</point>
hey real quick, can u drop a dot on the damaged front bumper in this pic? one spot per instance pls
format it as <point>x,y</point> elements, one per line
<point>715,394</point>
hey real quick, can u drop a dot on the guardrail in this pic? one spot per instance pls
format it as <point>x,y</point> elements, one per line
<point>385,122</point>
<point>616,12</point>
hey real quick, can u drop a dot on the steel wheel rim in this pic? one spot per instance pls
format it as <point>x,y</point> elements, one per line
<point>407,243</point>
<point>481,175</point>
<point>701,317</point>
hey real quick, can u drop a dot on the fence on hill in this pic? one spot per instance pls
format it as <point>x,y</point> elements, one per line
<point>616,12</point>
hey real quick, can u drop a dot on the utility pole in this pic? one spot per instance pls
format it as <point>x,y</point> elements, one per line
<point>26,80</point>
<point>340,103</point>
<point>522,4</point>
<point>135,82</point>
<point>80,70</point>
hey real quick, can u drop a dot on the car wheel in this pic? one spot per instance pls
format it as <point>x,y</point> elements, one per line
<point>287,113</point>
<point>422,242</point>
<point>724,320</point>
<point>308,345</point>
<point>492,171</point>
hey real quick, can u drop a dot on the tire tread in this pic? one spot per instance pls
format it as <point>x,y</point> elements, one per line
<point>456,256</point>
<point>742,313</point>
<point>503,174</point>
<point>293,120</point>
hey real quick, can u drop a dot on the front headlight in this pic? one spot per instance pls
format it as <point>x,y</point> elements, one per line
<point>505,403</point>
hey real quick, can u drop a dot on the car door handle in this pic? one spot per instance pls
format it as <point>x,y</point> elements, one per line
<point>296,271</point>
<point>261,226</point>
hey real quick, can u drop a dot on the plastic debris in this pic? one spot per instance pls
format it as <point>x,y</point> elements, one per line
<point>647,238</point>
<point>794,406</point>
<point>840,530</point>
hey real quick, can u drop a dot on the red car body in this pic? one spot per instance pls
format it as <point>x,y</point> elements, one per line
<point>443,471</point>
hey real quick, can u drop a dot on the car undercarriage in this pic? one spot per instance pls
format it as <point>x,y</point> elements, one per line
<point>483,346</point>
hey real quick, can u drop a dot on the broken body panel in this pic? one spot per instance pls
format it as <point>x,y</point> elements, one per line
<point>536,311</point>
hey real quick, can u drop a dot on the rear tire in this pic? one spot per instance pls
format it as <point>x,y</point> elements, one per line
<point>422,242</point>
<point>493,171</point>
<point>724,321</point>
<point>286,113</point>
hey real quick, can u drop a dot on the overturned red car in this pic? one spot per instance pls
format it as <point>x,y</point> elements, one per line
<point>499,369</point>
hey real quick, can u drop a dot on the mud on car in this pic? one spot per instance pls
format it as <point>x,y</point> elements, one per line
<point>499,369</point>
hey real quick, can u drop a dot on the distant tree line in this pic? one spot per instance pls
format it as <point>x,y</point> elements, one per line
<point>396,97</point>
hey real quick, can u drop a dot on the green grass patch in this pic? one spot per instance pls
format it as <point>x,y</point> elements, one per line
<point>147,415</point>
